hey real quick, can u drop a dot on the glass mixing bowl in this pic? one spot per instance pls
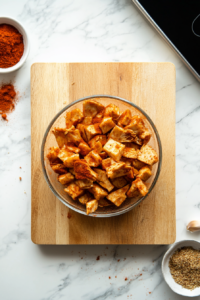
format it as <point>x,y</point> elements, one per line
<point>50,141</point>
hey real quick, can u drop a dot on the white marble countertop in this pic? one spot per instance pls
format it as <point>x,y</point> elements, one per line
<point>76,30</point>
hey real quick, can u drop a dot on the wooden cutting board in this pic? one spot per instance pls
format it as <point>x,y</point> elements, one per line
<point>149,85</point>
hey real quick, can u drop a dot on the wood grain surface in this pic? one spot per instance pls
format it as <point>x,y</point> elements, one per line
<point>149,85</point>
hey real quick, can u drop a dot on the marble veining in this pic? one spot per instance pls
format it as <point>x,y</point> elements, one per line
<point>75,30</point>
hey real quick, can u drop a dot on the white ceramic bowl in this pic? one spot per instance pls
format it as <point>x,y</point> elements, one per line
<point>166,271</point>
<point>21,29</point>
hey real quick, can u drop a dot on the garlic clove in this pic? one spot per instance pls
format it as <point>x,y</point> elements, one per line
<point>193,226</point>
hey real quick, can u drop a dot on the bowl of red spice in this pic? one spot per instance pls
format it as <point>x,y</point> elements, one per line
<point>14,45</point>
<point>181,268</point>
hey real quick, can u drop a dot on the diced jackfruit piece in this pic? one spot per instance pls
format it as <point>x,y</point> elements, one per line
<point>130,153</point>
<point>144,173</point>
<point>91,206</point>
<point>59,168</point>
<point>137,188</point>
<point>53,154</point>
<point>133,191</point>
<point>119,196</point>
<point>103,180</point>
<point>96,120</point>
<point>125,118</point>
<point>74,191</point>
<point>114,149</point>
<point>128,161</point>
<point>74,136</point>
<point>72,148</point>
<point>112,111</point>
<point>93,159</point>
<point>119,182</point>
<point>92,130</point>
<point>84,183</point>
<point>131,174</point>
<point>104,203</point>
<point>87,121</point>
<point>106,163</point>
<point>136,125</point>
<point>65,178</point>
<point>68,157</point>
<point>74,117</point>
<point>141,187</point>
<point>85,198</point>
<point>123,135</point>
<point>138,164</point>
<point>117,170</point>
<point>98,192</point>
<point>98,138</point>
<point>60,136</point>
<point>83,171</point>
<point>97,147</point>
<point>84,148</point>
<point>81,128</point>
<point>148,155</point>
<point>145,136</point>
<point>91,108</point>
<point>107,124</point>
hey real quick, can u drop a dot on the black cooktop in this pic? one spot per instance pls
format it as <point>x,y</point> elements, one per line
<point>180,21</point>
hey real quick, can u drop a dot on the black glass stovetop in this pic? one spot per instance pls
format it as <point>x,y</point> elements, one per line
<point>180,21</point>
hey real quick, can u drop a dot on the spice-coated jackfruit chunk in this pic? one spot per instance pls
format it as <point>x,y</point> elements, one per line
<point>103,180</point>
<point>119,196</point>
<point>114,149</point>
<point>65,178</point>
<point>147,155</point>
<point>91,108</point>
<point>91,206</point>
<point>83,170</point>
<point>98,192</point>
<point>74,191</point>
<point>68,157</point>
<point>144,173</point>
<point>93,159</point>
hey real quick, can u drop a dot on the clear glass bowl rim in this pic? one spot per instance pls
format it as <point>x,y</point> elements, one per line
<point>113,214</point>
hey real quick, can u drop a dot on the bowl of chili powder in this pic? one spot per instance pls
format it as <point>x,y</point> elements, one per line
<point>14,45</point>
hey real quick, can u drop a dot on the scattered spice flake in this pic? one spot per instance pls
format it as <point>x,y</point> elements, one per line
<point>69,215</point>
<point>20,178</point>
<point>126,279</point>
<point>20,167</point>
<point>7,99</point>
<point>4,116</point>
<point>98,257</point>
<point>115,276</point>
<point>140,274</point>
<point>124,258</point>
<point>118,260</point>
<point>149,292</point>
<point>109,277</point>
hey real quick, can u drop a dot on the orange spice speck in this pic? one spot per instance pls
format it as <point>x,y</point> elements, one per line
<point>69,215</point>
<point>4,116</point>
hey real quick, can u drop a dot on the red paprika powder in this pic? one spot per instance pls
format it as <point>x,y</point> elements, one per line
<point>7,99</point>
<point>11,46</point>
